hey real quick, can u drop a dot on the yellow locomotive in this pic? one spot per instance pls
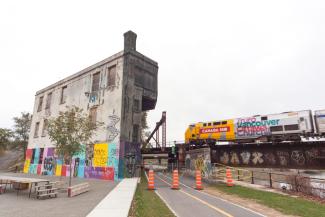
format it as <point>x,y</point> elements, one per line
<point>209,132</point>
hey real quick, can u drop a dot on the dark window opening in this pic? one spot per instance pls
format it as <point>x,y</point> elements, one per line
<point>135,133</point>
<point>291,127</point>
<point>63,95</point>
<point>95,84</point>
<point>276,128</point>
<point>193,135</point>
<point>40,104</point>
<point>45,125</point>
<point>224,122</point>
<point>111,76</point>
<point>204,125</point>
<point>48,101</point>
<point>93,115</point>
<point>264,118</point>
<point>136,105</point>
<point>209,124</point>
<point>36,130</point>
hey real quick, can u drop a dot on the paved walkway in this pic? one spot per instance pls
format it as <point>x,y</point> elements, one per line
<point>12,205</point>
<point>188,202</point>
<point>118,202</point>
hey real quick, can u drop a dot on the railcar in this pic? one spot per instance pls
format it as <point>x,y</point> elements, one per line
<point>286,126</point>
<point>320,122</point>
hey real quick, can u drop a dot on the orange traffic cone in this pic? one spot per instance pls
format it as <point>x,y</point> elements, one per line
<point>175,184</point>
<point>229,178</point>
<point>151,180</point>
<point>198,180</point>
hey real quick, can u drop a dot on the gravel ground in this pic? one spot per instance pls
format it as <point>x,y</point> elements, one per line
<point>12,205</point>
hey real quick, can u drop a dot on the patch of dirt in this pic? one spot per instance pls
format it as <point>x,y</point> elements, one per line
<point>248,203</point>
<point>10,158</point>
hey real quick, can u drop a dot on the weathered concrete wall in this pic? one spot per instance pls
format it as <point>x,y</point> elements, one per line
<point>199,159</point>
<point>119,106</point>
<point>107,100</point>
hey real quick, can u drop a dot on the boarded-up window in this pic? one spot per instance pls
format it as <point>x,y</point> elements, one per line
<point>135,133</point>
<point>63,95</point>
<point>40,104</point>
<point>45,125</point>
<point>111,76</point>
<point>95,84</point>
<point>93,115</point>
<point>36,129</point>
<point>48,101</point>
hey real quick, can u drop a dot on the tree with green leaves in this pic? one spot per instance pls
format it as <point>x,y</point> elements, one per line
<point>5,136</point>
<point>69,131</point>
<point>22,129</point>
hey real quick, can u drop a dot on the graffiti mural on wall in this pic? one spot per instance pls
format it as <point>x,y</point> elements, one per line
<point>289,156</point>
<point>103,162</point>
<point>199,159</point>
<point>112,131</point>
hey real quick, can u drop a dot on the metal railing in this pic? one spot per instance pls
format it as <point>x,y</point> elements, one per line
<point>284,181</point>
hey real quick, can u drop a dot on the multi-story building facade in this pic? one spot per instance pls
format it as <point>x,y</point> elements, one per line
<point>115,91</point>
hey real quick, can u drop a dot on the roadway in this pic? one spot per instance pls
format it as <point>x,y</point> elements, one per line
<point>188,202</point>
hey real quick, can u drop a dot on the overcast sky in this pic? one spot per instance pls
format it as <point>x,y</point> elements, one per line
<point>217,59</point>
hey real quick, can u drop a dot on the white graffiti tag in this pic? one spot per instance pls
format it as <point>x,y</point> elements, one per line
<point>245,156</point>
<point>112,131</point>
<point>234,158</point>
<point>283,157</point>
<point>224,158</point>
<point>257,158</point>
<point>298,157</point>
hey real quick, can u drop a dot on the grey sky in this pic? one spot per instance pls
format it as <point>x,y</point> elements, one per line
<point>217,59</point>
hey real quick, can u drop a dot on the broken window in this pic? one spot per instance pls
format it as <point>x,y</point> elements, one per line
<point>40,104</point>
<point>63,95</point>
<point>111,76</point>
<point>48,101</point>
<point>45,125</point>
<point>135,133</point>
<point>93,115</point>
<point>95,84</point>
<point>36,129</point>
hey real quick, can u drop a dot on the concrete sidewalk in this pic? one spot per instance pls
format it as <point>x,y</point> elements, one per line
<point>118,202</point>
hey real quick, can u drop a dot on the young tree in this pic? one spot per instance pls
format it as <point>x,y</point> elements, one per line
<point>69,131</point>
<point>144,126</point>
<point>5,136</point>
<point>22,129</point>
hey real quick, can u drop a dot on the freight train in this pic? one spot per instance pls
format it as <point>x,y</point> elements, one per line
<point>286,126</point>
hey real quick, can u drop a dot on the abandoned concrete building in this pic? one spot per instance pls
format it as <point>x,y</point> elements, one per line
<point>114,91</point>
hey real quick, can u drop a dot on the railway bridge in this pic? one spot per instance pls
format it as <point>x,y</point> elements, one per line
<point>291,155</point>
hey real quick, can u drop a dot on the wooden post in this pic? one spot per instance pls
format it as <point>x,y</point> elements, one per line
<point>252,174</point>
<point>270,177</point>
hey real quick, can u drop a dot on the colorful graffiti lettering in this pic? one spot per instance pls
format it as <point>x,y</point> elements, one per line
<point>100,155</point>
<point>102,162</point>
<point>254,127</point>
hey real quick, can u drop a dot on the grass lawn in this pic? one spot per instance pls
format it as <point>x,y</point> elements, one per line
<point>282,203</point>
<point>147,203</point>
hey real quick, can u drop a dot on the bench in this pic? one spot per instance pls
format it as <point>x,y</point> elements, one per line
<point>46,190</point>
<point>78,189</point>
